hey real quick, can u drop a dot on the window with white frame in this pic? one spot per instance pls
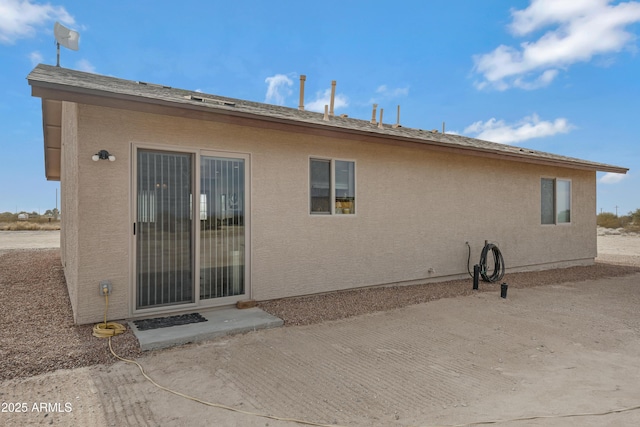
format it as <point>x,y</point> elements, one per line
<point>332,187</point>
<point>555,201</point>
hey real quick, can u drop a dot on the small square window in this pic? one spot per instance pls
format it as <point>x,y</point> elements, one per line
<point>332,187</point>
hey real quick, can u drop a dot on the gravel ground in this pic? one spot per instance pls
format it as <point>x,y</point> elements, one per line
<point>339,305</point>
<point>39,335</point>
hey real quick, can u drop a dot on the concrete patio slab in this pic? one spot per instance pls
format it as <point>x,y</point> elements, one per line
<point>559,352</point>
<point>220,322</point>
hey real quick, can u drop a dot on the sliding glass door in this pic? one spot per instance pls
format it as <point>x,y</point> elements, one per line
<point>164,242</point>
<point>173,226</point>
<point>222,232</point>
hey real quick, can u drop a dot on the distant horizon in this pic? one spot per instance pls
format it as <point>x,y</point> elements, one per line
<point>549,76</point>
<point>38,212</point>
<point>41,212</point>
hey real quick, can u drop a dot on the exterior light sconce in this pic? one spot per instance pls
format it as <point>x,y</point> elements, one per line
<point>103,155</point>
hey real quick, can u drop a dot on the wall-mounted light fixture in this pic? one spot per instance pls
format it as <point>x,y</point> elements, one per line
<point>103,155</point>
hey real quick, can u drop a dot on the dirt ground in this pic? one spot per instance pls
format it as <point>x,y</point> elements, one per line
<point>545,351</point>
<point>29,239</point>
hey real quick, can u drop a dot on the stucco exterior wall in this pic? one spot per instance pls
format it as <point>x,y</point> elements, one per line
<point>69,201</point>
<point>415,207</point>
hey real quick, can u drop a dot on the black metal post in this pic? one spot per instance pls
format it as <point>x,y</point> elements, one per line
<point>476,276</point>
<point>503,290</point>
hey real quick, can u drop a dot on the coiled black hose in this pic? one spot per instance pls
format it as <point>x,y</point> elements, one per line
<point>498,267</point>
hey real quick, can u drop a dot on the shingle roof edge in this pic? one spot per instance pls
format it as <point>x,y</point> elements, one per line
<point>82,82</point>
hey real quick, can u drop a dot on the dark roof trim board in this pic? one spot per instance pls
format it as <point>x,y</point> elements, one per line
<point>60,84</point>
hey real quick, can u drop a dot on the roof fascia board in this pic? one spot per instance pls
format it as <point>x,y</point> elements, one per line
<point>51,128</point>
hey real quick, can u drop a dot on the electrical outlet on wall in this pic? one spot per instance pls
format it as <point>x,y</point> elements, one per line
<point>105,287</point>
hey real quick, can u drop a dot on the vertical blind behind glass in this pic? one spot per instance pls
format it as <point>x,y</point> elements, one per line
<point>164,234</point>
<point>222,233</point>
<point>320,181</point>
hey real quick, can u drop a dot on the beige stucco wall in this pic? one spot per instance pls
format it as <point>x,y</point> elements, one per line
<point>416,208</point>
<point>69,201</point>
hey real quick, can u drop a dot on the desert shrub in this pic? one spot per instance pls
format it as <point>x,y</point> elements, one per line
<point>24,225</point>
<point>608,220</point>
<point>8,217</point>
<point>630,222</point>
<point>625,221</point>
<point>43,220</point>
<point>28,225</point>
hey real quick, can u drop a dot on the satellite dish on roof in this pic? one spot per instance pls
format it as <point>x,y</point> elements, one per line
<point>65,37</point>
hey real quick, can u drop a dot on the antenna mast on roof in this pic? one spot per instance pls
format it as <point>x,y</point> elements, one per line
<point>65,37</point>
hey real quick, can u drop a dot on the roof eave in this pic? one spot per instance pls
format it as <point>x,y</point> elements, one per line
<point>52,131</point>
<point>54,91</point>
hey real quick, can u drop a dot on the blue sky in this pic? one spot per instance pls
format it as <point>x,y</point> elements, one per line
<point>556,76</point>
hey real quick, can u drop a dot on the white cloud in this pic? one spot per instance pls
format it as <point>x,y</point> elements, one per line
<point>324,98</point>
<point>383,92</point>
<point>392,93</point>
<point>546,12</point>
<point>528,128</point>
<point>612,178</point>
<point>278,88</point>
<point>580,30</point>
<point>21,18</point>
<point>85,65</point>
<point>35,57</point>
<point>543,80</point>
